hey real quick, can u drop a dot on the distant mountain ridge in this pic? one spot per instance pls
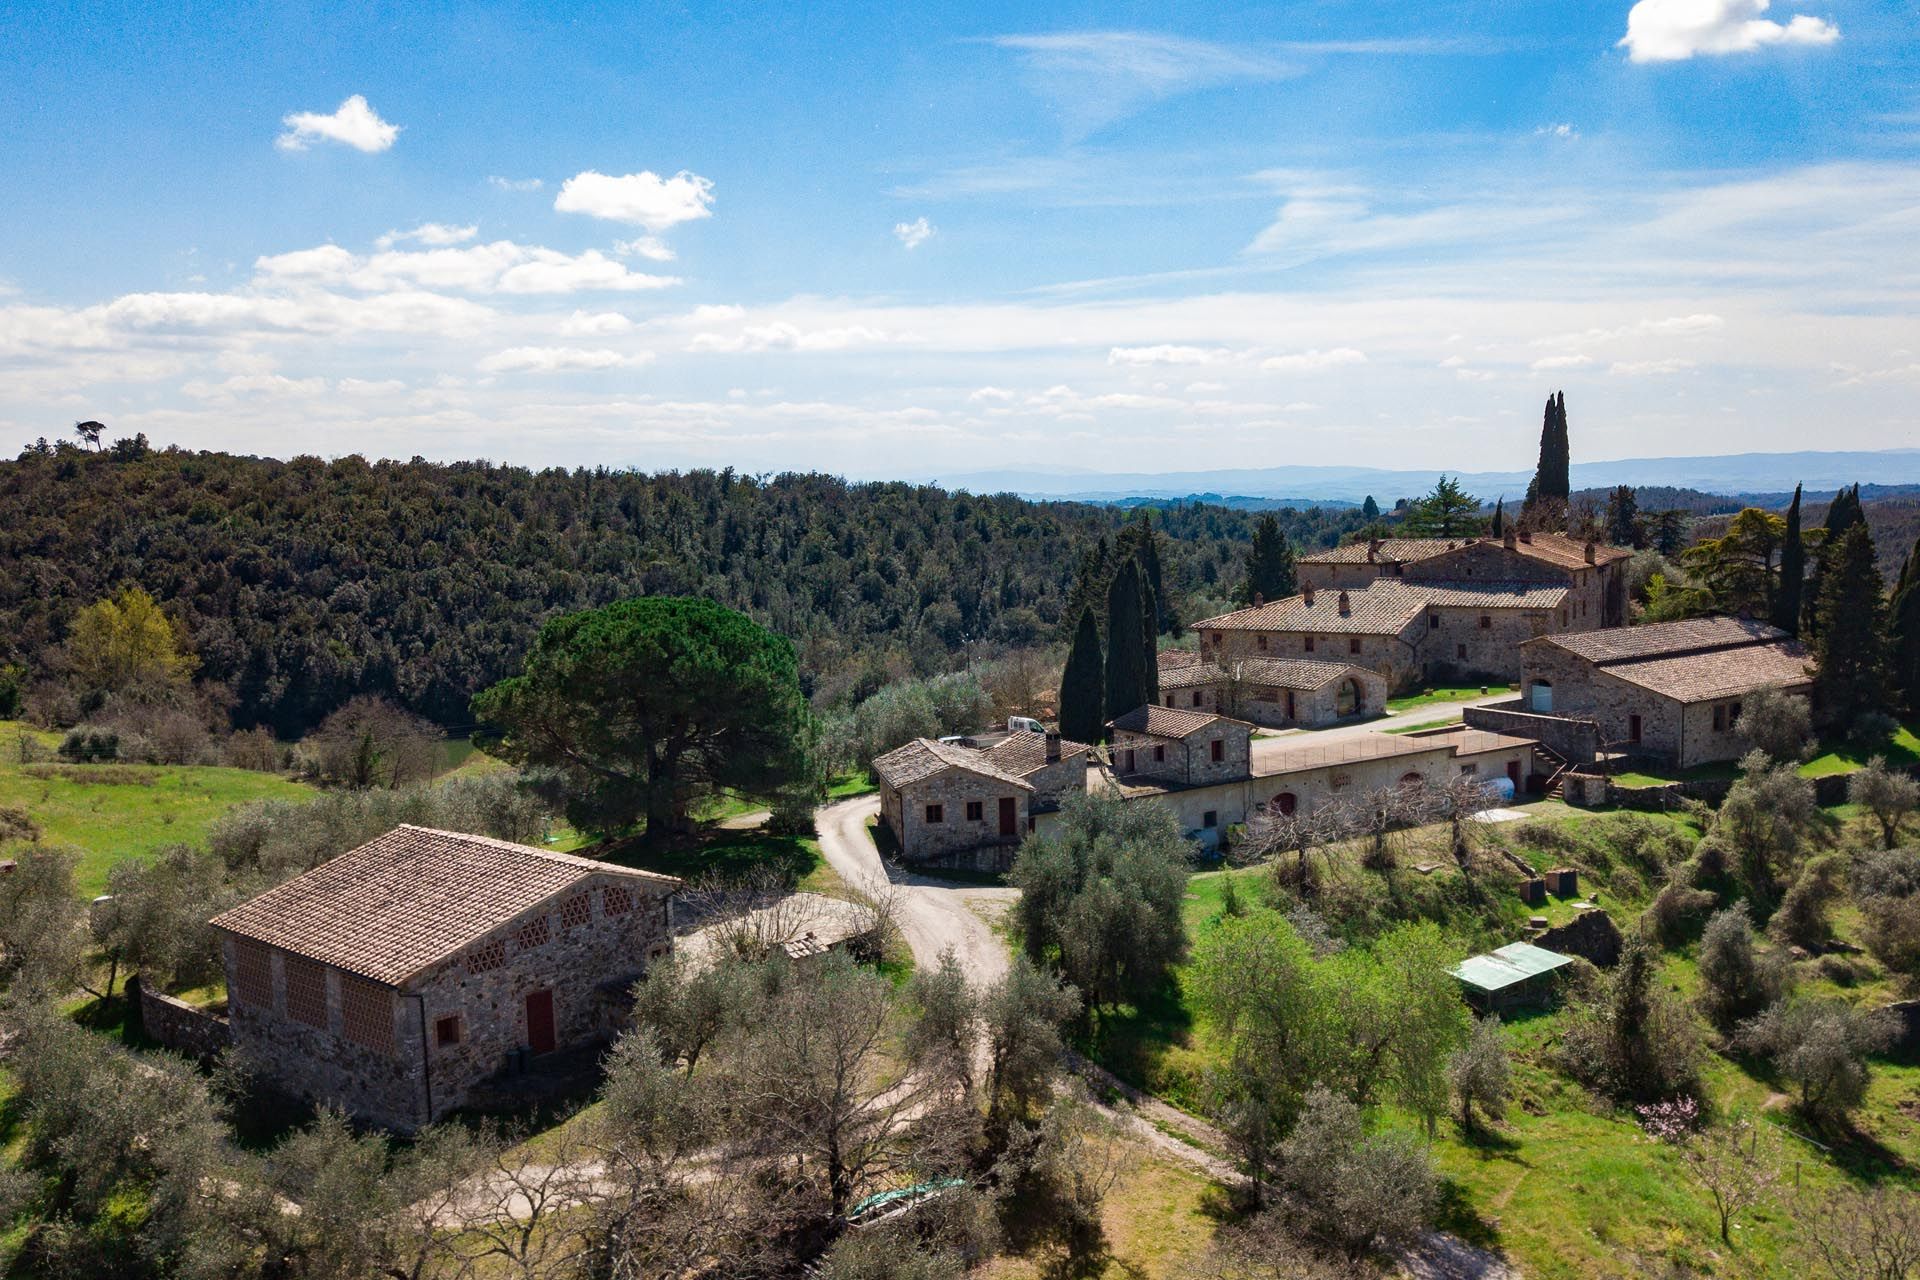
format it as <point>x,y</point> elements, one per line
<point>1739,473</point>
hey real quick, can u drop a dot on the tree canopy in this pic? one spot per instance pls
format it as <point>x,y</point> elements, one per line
<point>1270,564</point>
<point>1449,511</point>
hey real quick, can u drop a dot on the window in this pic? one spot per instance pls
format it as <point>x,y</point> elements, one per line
<point>1210,819</point>
<point>936,814</point>
<point>1563,617</point>
<point>532,934</point>
<point>1433,621</point>
<point>1160,754</point>
<point>1169,699</point>
<point>1196,697</point>
<point>1460,652</point>
<point>252,973</point>
<point>306,991</point>
<point>446,1030</point>
<point>1260,642</point>
<point>1733,715</point>
<point>1468,770</point>
<point>1353,644</point>
<point>1286,802</point>
<point>1486,622</point>
<point>490,956</point>
<point>1306,643</point>
<point>576,911</point>
<point>616,900</point>
<point>1219,748</point>
<point>1719,719</point>
<point>976,810</point>
<point>366,1013</point>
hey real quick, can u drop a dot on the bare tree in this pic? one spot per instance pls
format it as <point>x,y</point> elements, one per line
<point>505,1215</point>
<point>1291,840</point>
<point>1861,1233</point>
<point>1738,1165</point>
<point>369,742</point>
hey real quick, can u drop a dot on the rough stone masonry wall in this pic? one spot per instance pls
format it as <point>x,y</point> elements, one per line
<point>1574,740</point>
<point>1583,690</point>
<point>1395,658</point>
<point>1492,653</point>
<point>951,789</point>
<point>179,1026</point>
<point>1054,782</point>
<point>1314,787</point>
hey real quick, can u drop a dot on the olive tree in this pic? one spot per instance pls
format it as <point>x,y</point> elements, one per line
<point>1822,1046</point>
<point>1887,795</point>
<point>1480,1074</point>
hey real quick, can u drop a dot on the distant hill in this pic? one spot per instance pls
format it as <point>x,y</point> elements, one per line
<point>1731,474</point>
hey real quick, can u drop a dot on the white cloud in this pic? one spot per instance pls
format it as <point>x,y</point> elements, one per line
<point>594,324</point>
<point>499,267</point>
<point>1093,77</point>
<point>1307,361</point>
<point>652,248</point>
<point>499,183</point>
<point>365,387</point>
<point>1675,30</point>
<point>1167,354</point>
<point>644,199</point>
<point>267,385</point>
<point>1563,131</point>
<point>560,360</point>
<point>432,234</point>
<point>354,124</point>
<point>1546,363</point>
<point>912,235</point>
<point>784,336</point>
<point>1649,368</point>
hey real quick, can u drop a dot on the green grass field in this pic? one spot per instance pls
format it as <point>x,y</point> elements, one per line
<point>1428,697</point>
<point>118,811</point>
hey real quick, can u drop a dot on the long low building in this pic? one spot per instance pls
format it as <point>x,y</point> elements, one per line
<point>1275,693</point>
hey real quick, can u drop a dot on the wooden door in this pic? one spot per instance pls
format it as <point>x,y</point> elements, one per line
<point>540,1021</point>
<point>1513,775</point>
<point>1009,820</point>
<point>1633,728</point>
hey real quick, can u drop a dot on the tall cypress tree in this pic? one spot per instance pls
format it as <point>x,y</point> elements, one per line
<point>1558,480</point>
<point>1082,697</point>
<point>1149,640</point>
<point>1270,571</point>
<point>1370,510</point>
<point>1126,647</point>
<point>1499,517</point>
<point>1903,633</point>
<point>1089,590</point>
<point>1793,572</point>
<point>1842,514</point>
<point>1851,647</point>
<point>1143,543</point>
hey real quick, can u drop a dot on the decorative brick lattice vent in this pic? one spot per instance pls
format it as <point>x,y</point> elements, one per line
<point>306,991</point>
<point>532,934</point>
<point>366,1013</point>
<point>252,973</point>
<point>490,956</point>
<point>576,911</point>
<point>618,900</point>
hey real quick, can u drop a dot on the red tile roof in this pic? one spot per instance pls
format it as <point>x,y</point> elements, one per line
<point>1167,722</point>
<point>1384,607</point>
<point>1719,673</point>
<point>1282,673</point>
<point>1023,753</point>
<point>923,758</point>
<point>1549,548</point>
<point>404,901</point>
<point>1663,639</point>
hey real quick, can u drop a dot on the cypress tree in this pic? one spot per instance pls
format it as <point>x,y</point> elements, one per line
<point>1126,648</point>
<point>1270,574</point>
<point>1144,544</point>
<point>1851,647</point>
<point>1623,517</point>
<point>1842,514</point>
<point>1150,640</point>
<point>1089,589</point>
<point>1500,517</point>
<point>1370,510</point>
<point>1793,572</point>
<point>1558,480</point>
<point>1903,632</point>
<point>1081,694</point>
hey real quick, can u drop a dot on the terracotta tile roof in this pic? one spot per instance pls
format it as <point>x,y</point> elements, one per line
<point>1549,548</point>
<point>406,900</point>
<point>1384,607</point>
<point>923,757</point>
<point>1190,675</point>
<point>1294,673</point>
<point>1023,753</point>
<point>1167,722</point>
<point>1174,659</point>
<point>1718,673</point>
<point>1663,639</point>
<point>1359,748</point>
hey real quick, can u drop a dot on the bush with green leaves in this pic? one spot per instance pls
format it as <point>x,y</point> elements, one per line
<point>1632,1039</point>
<point>1889,796</point>
<point>1765,822</point>
<point>1778,723</point>
<point>1802,917</point>
<point>1352,1192</point>
<point>1480,1073</point>
<point>1822,1045</point>
<point>1737,981</point>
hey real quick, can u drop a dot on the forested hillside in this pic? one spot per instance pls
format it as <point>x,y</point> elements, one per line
<point>303,583</point>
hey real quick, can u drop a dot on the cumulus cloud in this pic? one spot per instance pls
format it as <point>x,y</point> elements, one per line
<point>353,124</point>
<point>499,183</point>
<point>1564,131</point>
<point>434,234</point>
<point>1675,30</point>
<point>643,199</point>
<point>912,235</point>
<point>265,385</point>
<point>1309,361</point>
<point>594,324</point>
<point>783,336</point>
<point>499,267</point>
<point>653,248</point>
<point>560,360</point>
<point>1168,354</point>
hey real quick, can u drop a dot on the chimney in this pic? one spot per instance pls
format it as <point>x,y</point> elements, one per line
<point>1259,598</point>
<point>1589,550</point>
<point>1306,595</point>
<point>1508,538</point>
<point>1373,550</point>
<point>1053,747</point>
<point>1346,605</point>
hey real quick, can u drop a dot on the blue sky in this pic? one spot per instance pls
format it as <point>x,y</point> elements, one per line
<point>893,240</point>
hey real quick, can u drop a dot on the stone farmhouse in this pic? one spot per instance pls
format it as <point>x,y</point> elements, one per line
<point>952,803</point>
<point>1180,748</point>
<point>1669,691</point>
<point>395,979</point>
<point>1276,693</point>
<point>1427,608</point>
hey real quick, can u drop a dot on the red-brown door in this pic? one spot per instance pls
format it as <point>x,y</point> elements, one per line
<point>1513,775</point>
<point>540,1021</point>
<point>1009,822</point>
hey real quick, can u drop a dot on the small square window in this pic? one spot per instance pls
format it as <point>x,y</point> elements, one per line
<point>1719,719</point>
<point>1353,644</point>
<point>1433,622</point>
<point>1307,643</point>
<point>1460,651</point>
<point>1733,715</point>
<point>976,810</point>
<point>936,814</point>
<point>1260,642</point>
<point>1468,770</point>
<point>1196,697</point>
<point>1169,699</point>
<point>1210,819</point>
<point>446,1030</point>
<point>1486,622</point>
<point>1160,753</point>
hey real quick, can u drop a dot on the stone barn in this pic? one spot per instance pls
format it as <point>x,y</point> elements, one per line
<point>395,978</point>
<point>944,802</point>
<point>1276,693</point>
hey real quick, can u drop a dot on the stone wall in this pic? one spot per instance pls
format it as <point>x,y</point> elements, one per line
<point>1583,691</point>
<point>1054,782</point>
<point>1185,761</point>
<point>1459,647</point>
<point>1271,707</point>
<point>1573,740</point>
<point>952,789</point>
<point>1591,935</point>
<point>195,1033</point>
<point>586,963</point>
<point>1394,657</point>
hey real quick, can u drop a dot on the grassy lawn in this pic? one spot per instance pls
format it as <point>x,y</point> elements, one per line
<point>715,851</point>
<point>1424,725</point>
<point>1845,757</point>
<point>118,811</point>
<point>851,784</point>
<point>1427,697</point>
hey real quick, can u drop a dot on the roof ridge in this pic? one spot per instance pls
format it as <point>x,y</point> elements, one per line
<point>548,855</point>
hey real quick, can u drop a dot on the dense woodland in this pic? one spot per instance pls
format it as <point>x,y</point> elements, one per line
<point>302,583</point>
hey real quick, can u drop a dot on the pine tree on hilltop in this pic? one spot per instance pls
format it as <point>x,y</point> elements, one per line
<point>1127,658</point>
<point>1623,517</point>
<point>1370,510</point>
<point>1447,512</point>
<point>1903,632</point>
<point>1851,647</point>
<point>1793,572</point>
<point>1270,565</point>
<point>1082,696</point>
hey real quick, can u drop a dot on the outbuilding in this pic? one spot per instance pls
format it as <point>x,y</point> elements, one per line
<point>1516,976</point>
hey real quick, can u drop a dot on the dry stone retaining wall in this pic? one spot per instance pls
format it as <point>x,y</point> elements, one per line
<point>196,1033</point>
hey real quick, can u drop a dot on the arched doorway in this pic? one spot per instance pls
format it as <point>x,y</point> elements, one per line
<point>1285,803</point>
<point>1347,701</point>
<point>1411,779</point>
<point>1540,697</point>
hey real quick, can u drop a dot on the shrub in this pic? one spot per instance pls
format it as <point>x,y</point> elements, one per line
<point>1802,918</point>
<point>1679,912</point>
<point>1887,795</point>
<point>1349,1191</point>
<point>90,744</point>
<point>1735,982</point>
<point>255,749</point>
<point>1479,1073</point>
<point>1777,723</point>
<point>1893,933</point>
<point>1632,1039</point>
<point>1822,1046</point>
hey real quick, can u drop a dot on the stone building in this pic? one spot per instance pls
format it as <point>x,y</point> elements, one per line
<point>1428,609</point>
<point>1275,693</point>
<point>395,978</point>
<point>1670,691</point>
<point>1189,748</point>
<point>947,802</point>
